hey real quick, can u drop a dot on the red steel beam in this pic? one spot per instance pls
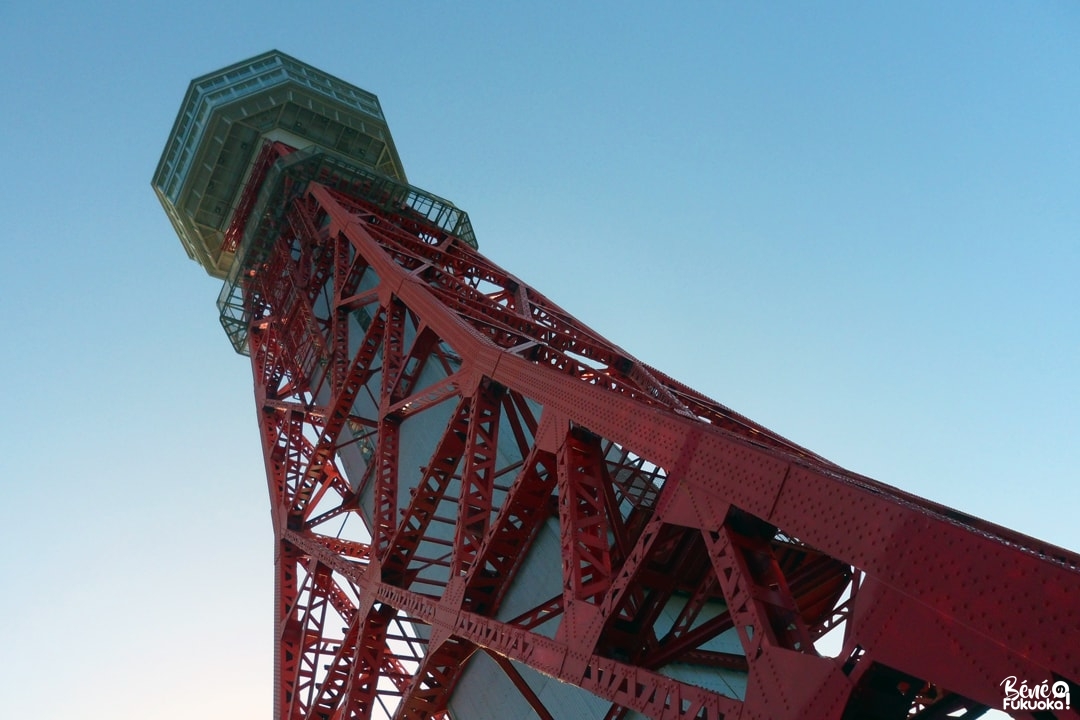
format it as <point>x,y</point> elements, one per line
<point>667,503</point>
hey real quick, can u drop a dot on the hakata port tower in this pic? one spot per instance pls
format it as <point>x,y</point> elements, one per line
<point>484,509</point>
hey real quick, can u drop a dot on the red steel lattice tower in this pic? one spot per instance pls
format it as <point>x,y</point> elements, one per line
<point>483,509</point>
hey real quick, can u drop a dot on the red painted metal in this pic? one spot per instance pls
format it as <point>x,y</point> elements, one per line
<point>270,152</point>
<point>363,321</point>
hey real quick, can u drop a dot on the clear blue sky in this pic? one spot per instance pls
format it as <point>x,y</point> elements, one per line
<point>857,224</point>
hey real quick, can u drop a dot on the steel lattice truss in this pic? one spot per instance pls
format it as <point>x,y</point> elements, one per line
<point>429,422</point>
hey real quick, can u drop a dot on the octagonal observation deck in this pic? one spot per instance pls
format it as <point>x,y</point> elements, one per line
<point>226,119</point>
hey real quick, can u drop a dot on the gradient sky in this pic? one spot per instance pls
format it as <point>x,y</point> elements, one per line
<point>859,225</point>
